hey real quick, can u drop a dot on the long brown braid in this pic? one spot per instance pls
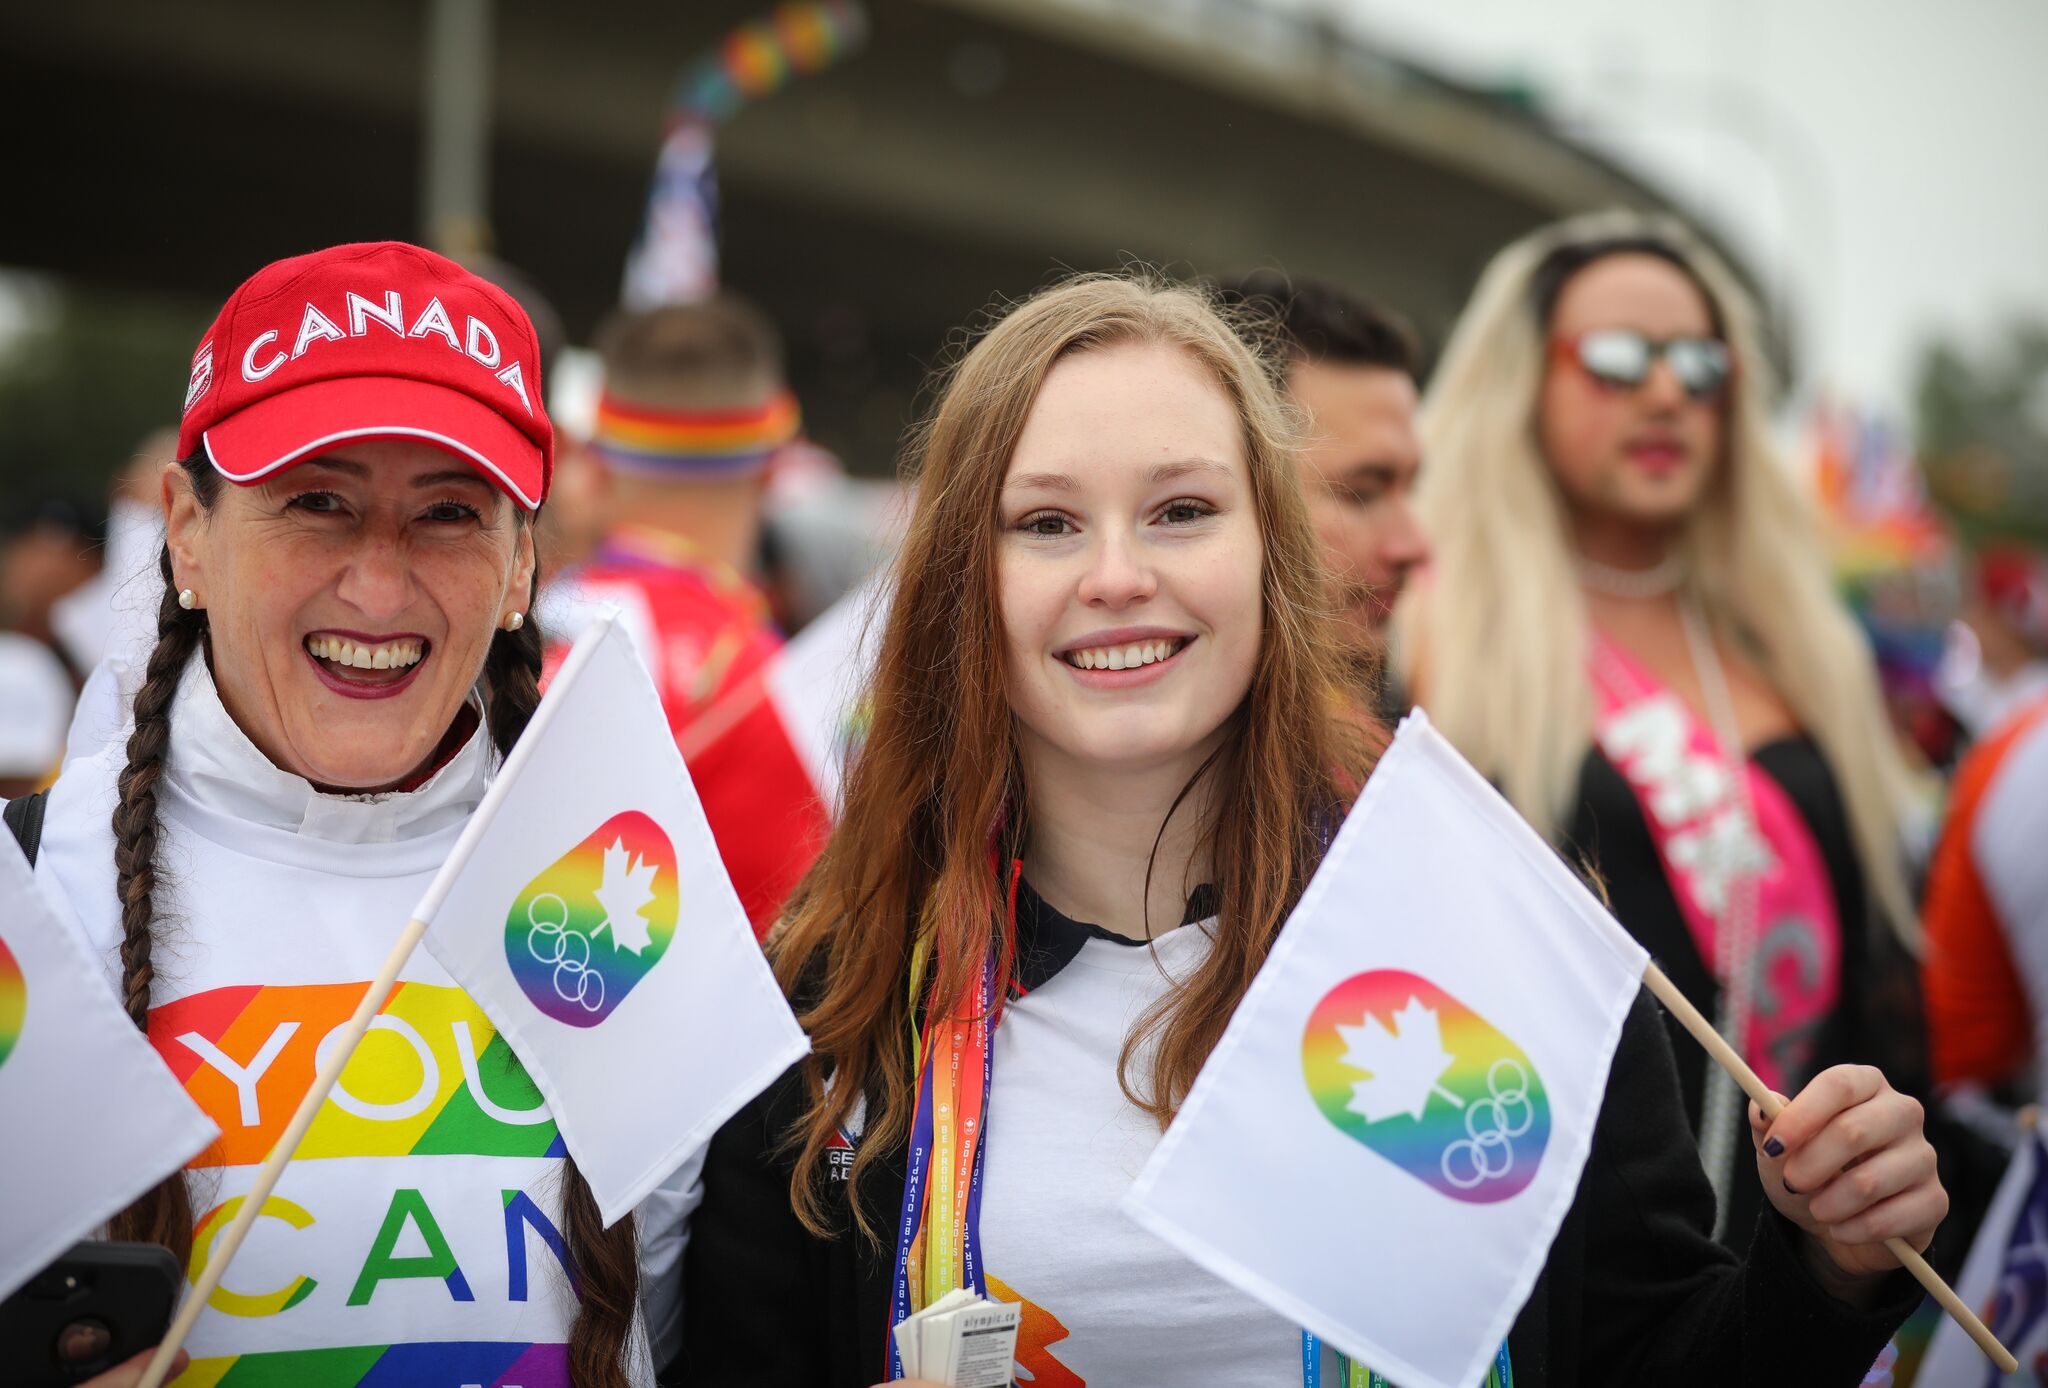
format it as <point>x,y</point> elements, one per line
<point>163,1214</point>
<point>604,1266</point>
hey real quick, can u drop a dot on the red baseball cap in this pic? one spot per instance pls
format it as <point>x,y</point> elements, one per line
<point>2013,582</point>
<point>380,340</point>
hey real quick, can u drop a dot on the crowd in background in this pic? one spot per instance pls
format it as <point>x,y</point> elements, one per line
<point>1567,534</point>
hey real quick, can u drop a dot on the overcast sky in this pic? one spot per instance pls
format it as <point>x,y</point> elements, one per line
<point>1882,160</point>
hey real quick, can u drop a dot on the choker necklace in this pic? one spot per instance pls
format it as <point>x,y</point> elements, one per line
<point>1659,579</point>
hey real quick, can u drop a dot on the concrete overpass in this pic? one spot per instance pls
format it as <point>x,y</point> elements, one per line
<point>970,149</point>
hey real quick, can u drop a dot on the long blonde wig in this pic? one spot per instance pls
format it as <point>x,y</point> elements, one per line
<point>1495,640</point>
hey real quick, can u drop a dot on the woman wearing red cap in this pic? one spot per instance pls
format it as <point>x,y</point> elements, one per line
<point>343,655</point>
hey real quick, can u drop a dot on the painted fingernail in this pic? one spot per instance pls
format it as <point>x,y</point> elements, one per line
<point>1774,1148</point>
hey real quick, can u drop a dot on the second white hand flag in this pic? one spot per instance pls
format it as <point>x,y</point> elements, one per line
<point>90,1117</point>
<point>1383,1144</point>
<point>594,923</point>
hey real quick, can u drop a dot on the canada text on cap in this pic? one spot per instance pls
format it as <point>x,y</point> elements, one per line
<point>379,340</point>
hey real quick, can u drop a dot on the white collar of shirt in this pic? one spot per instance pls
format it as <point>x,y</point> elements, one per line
<point>215,768</point>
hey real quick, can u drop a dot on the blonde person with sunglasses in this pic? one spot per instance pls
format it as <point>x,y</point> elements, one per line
<point>1629,626</point>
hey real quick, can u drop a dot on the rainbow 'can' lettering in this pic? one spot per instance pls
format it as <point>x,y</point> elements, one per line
<point>13,1001</point>
<point>1405,1068</point>
<point>586,931</point>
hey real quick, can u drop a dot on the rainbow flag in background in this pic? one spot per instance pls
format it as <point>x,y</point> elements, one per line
<point>1874,508</point>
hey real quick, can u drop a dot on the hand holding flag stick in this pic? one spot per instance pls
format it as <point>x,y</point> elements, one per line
<point>1729,1059</point>
<point>1443,943</point>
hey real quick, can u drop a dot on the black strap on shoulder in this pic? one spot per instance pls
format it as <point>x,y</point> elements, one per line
<point>25,819</point>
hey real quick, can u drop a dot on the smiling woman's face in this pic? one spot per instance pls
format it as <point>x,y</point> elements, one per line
<point>351,601</point>
<point>1129,563</point>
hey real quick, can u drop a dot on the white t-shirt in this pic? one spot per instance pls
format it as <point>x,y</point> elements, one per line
<point>1105,1303</point>
<point>415,1237</point>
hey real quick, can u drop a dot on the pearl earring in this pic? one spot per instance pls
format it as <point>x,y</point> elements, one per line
<point>187,599</point>
<point>515,621</point>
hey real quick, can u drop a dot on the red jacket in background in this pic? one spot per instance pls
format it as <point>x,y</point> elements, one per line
<point>705,634</point>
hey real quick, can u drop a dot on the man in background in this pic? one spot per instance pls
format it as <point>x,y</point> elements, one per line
<point>694,407</point>
<point>46,552</point>
<point>1352,366</point>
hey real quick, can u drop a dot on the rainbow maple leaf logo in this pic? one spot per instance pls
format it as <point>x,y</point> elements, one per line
<point>1415,1075</point>
<point>583,933</point>
<point>625,893</point>
<point>1402,1067</point>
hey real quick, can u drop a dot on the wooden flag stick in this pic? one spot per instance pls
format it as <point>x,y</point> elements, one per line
<point>1730,1060</point>
<point>273,1166</point>
<point>580,656</point>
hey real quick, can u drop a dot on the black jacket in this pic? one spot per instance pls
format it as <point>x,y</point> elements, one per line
<point>1634,1292</point>
<point>1876,1018</point>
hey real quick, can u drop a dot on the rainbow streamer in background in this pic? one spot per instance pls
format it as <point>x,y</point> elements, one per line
<point>722,442</point>
<point>675,261</point>
<point>760,57</point>
<point>13,1001</point>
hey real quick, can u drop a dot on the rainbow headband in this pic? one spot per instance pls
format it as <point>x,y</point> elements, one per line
<point>693,443</point>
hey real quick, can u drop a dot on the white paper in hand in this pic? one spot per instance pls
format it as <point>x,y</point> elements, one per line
<point>1384,1142</point>
<point>588,913</point>
<point>961,1340</point>
<point>90,1117</point>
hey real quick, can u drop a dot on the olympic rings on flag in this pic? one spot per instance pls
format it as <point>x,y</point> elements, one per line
<point>1487,1151</point>
<point>553,942</point>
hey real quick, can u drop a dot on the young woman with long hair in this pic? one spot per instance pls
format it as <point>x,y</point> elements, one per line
<point>344,654</point>
<point>1107,749</point>
<point>1629,626</point>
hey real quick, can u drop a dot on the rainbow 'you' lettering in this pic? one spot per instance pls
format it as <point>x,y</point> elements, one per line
<point>586,931</point>
<point>1405,1068</point>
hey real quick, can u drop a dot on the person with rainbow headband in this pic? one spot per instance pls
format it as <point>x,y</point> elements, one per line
<point>693,410</point>
<point>1103,765</point>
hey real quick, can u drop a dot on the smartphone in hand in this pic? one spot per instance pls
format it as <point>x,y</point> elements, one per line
<point>98,1305</point>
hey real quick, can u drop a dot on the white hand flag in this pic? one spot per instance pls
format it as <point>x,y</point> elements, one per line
<point>817,680</point>
<point>90,1117</point>
<point>1385,1140</point>
<point>589,915</point>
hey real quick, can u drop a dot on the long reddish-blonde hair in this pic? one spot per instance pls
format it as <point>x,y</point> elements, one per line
<point>938,781</point>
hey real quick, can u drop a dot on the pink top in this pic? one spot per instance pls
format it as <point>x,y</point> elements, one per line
<point>1710,851</point>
